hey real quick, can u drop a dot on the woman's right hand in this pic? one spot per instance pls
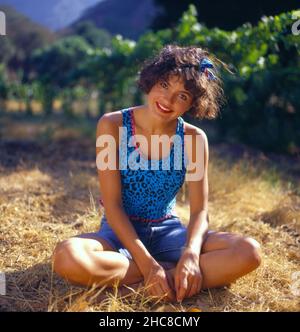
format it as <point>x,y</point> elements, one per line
<point>156,282</point>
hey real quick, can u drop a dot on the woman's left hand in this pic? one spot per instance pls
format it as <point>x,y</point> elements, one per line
<point>188,276</point>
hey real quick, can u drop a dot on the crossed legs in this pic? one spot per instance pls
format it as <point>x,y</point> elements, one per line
<point>88,260</point>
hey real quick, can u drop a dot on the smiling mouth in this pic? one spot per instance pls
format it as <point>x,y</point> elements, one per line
<point>163,109</point>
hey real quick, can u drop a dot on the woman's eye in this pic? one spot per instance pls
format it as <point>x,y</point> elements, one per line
<point>163,84</point>
<point>184,97</point>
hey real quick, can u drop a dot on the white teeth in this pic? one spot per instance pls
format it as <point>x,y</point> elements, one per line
<point>165,109</point>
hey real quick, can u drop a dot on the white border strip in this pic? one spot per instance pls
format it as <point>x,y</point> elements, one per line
<point>2,284</point>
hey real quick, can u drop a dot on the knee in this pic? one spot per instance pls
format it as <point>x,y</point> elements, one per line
<point>64,257</point>
<point>248,251</point>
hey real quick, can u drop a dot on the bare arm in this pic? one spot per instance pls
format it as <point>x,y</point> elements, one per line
<point>188,277</point>
<point>110,184</point>
<point>198,194</point>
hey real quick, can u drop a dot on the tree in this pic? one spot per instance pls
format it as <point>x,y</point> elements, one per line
<point>94,36</point>
<point>226,15</point>
<point>54,66</point>
<point>3,88</point>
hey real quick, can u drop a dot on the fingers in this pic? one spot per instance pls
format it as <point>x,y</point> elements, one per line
<point>170,280</point>
<point>161,290</point>
<point>190,286</point>
<point>171,285</point>
<point>182,287</point>
<point>167,289</point>
<point>154,289</point>
<point>177,285</point>
<point>194,286</point>
<point>187,286</point>
<point>159,293</point>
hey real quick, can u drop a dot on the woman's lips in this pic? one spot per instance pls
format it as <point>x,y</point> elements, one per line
<point>162,108</point>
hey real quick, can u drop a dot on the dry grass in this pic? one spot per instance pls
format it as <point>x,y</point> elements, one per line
<point>49,190</point>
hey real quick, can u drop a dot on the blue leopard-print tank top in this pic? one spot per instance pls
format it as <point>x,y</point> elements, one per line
<point>149,187</point>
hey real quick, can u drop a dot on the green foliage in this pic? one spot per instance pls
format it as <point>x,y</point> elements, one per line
<point>227,15</point>
<point>263,107</point>
<point>3,88</point>
<point>56,64</point>
<point>262,96</point>
<point>3,82</point>
<point>94,36</point>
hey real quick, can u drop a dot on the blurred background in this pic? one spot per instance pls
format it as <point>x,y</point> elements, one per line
<point>64,63</point>
<point>81,58</point>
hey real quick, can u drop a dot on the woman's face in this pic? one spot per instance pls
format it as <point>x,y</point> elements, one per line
<point>169,99</point>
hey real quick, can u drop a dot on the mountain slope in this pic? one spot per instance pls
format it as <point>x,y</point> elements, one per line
<point>130,18</point>
<point>22,37</point>
<point>54,14</point>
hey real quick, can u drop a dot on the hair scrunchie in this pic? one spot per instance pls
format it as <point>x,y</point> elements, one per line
<point>205,66</point>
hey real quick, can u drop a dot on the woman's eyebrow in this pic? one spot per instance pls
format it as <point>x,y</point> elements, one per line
<point>187,92</point>
<point>184,91</point>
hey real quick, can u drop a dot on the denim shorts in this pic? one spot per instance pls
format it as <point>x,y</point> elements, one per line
<point>164,239</point>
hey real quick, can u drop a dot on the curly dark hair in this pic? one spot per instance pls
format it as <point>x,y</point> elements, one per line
<point>184,62</point>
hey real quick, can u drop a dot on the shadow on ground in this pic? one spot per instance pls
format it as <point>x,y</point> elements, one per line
<point>38,289</point>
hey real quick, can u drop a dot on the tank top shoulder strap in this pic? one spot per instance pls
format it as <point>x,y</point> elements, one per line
<point>126,133</point>
<point>126,118</point>
<point>180,128</point>
<point>180,125</point>
<point>181,131</point>
<point>127,124</point>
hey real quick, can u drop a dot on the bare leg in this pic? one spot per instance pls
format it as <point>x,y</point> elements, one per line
<point>81,261</point>
<point>228,257</point>
<point>225,258</point>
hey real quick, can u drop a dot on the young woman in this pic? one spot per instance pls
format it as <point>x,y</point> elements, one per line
<point>141,239</point>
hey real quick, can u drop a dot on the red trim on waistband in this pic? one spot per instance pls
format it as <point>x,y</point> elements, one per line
<point>137,218</point>
<point>150,220</point>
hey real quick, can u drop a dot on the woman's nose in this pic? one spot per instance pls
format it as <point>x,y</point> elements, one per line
<point>167,101</point>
